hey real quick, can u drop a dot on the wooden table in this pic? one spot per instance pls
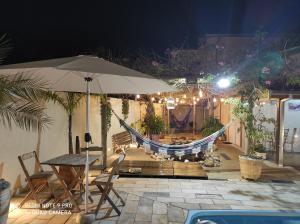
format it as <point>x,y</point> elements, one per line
<point>72,161</point>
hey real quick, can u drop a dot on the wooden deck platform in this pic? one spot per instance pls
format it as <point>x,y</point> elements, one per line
<point>165,169</point>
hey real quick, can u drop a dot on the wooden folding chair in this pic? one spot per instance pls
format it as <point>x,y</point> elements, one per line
<point>104,182</point>
<point>37,182</point>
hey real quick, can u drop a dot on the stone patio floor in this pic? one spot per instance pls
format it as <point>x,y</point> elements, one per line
<point>150,200</point>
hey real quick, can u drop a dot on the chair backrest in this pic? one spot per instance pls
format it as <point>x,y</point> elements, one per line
<point>119,139</point>
<point>27,156</point>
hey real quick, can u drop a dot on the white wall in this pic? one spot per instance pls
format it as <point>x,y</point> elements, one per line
<point>15,142</point>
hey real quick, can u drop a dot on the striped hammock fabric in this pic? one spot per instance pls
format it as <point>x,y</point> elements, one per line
<point>179,150</point>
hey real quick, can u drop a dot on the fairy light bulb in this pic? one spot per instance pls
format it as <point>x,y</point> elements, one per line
<point>194,98</point>
<point>214,100</point>
<point>197,99</point>
<point>153,99</point>
<point>158,93</point>
<point>222,99</point>
<point>200,93</point>
<point>138,96</point>
<point>195,102</point>
<point>184,96</point>
<point>177,100</point>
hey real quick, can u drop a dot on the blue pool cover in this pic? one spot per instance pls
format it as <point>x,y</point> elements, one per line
<point>242,217</point>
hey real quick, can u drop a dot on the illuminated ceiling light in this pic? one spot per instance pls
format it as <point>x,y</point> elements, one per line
<point>194,98</point>
<point>177,100</point>
<point>184,96</point>
<point>200,93</point>
<point>214,100</point>
<point>223,83</point>
<point>197,99</point>
<point>158,93</point>
<point>138,96</point>
<point>153,99</point>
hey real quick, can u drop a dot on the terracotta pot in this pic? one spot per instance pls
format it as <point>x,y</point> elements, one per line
<point>5,196</point>
<point>250,168</point>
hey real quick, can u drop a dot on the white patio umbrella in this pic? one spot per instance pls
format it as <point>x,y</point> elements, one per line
<point>90,75</point>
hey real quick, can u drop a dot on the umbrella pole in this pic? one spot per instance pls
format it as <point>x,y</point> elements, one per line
<point>87,138</point>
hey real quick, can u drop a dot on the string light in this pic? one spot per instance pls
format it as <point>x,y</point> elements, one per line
<point>194,98</point>
<point>159,101</point>
<point>222,99</point>
<point>214,100</point>
<point>153,99</point>
<point>200,93</point>
<point>177,100</point>
<point>197,99</point>
<point>195,102</point>
<point>184,96</point>
<point>158,93</point>
<point>138,96</point>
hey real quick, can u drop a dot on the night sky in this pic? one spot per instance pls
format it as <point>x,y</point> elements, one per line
<point>49,29</point>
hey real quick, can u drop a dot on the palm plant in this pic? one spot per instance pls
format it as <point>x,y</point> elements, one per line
<point>21,102</point>
<point>69,101</point>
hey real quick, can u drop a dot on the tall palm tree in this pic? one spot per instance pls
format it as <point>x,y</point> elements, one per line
<point>69,101</point>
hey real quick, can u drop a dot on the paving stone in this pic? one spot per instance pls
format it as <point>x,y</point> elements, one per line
<point>186,205</point>
<point>126,218</point>
<point>170,199</point>
<point>198,200</point>
<point>159,219</point>
<point>182,195</point>
<point>145,202</point>
<point>131,206</point>
<point>226,202</point>
<point>175,214</point>
<point>59,219</point>
<point>214,207</point>
<point>159,208</point>
<point>144,213</point>
<point>40,221</point>
<point>132,197</point>
<point>209,196</point>
<point>156,194</point>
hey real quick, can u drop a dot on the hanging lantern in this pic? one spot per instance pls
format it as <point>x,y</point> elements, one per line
<point>170,103</point>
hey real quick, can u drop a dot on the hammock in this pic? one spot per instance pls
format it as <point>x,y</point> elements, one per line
<point>178,150</point>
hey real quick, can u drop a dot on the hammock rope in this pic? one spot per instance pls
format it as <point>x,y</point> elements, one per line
<point>191,148</point>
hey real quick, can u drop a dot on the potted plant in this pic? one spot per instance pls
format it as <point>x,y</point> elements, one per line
<point>260,151</point>
<point>5,196</point>
<point>210,126</point>
<point>250,163</point>
<point>155,126</point>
